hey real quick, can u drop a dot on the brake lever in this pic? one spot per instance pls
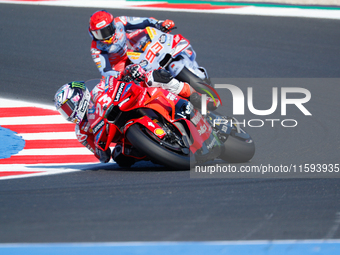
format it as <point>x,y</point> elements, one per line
<point>169,30</point>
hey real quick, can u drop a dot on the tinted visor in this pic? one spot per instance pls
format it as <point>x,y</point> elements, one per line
<point>104,33</point>
<point>68,108</point>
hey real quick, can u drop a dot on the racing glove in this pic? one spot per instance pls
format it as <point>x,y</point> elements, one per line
<point>134,72</point>
<point>165,25</point>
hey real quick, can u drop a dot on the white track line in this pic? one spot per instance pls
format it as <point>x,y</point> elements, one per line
<point>4,102</point>
<point>47,119</point>
<point>49,136</point>
<point>55,151</point>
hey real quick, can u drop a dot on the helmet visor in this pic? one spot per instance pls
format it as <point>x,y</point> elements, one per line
<point>68,108</point>
<point>104,33</point>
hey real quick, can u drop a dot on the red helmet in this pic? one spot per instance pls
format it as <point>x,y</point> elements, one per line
<point>101,25</point>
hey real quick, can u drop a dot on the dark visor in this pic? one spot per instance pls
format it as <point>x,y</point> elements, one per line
<point>104,33</point>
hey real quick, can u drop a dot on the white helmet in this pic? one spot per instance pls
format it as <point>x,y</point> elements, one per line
<point>72,101</point>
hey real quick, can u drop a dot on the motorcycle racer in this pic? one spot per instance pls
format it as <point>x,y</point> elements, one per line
<point>73,100</point>
<point>109,39</point>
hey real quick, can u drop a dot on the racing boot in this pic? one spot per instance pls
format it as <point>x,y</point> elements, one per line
<point>127,158</point>
<point>163,79</point>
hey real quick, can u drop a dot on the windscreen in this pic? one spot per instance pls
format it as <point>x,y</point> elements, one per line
<point>139,40</point>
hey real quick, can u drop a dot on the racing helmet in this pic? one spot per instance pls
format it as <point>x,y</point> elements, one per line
<point>102,26</point>
<point>72,101</point>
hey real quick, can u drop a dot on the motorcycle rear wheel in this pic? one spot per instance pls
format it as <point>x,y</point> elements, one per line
<point>237,150</point>
<point>155,151</point>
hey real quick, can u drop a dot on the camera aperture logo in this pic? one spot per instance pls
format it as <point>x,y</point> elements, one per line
<point>239,105</point>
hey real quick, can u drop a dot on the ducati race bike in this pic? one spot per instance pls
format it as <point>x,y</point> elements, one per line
<point>155,124</point>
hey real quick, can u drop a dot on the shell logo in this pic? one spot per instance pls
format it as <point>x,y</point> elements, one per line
<point>159,131</point>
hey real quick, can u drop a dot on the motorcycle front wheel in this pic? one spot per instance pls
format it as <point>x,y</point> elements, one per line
<point>158,153</point>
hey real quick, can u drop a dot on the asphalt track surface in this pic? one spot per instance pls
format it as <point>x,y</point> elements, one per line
<point>44,47</point>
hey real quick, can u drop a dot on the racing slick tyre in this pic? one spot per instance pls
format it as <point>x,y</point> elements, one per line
<point>155,151</point>
<point>237,150</point>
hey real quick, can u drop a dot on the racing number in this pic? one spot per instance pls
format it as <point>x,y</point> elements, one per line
<point>152,52</point>
<point>105,99</point>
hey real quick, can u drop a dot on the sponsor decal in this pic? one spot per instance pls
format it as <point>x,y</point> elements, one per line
<point>98,127</point>
<point>171,96</point>
<point>119,92</point>
<point>162,38</point>
<point>83,105</point>
<point>159,131</point>
<point>133,55</point>
<point>189,108</point>
<point>154,91</point>
<point>91,116</point>
<point>77,84</point>
<point>151,31</point>
<point>91,108</point>
<point>106,88</point>
<point>174,68</point>
<point>86,126</point>
<point>143,63</point>
<point>151,124</point>
<point>142,98</point>
<point>212,143</point>
<point>101,24</point>
<point>95,54</point>
<point>196,118</point>
<point>202,129</point>
<point>177,38</point>
<point>109,83</point>
<point>81,137</point>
